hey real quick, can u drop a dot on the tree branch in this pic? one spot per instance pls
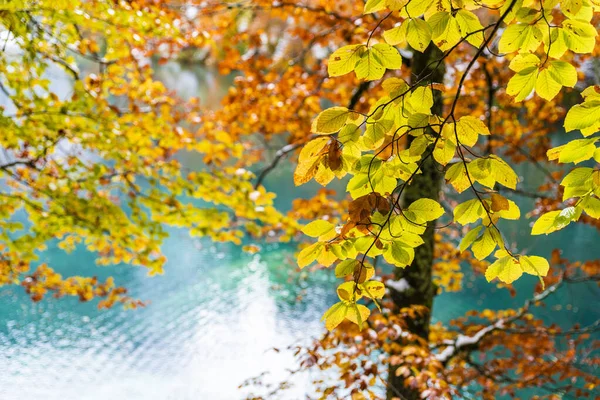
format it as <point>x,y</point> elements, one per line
<point>465,343</point>
<point>285,150</point>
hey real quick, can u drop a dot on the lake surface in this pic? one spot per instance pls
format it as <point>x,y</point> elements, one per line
<point>216,313</point>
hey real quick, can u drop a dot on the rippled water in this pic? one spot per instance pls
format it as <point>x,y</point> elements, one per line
<point>211,322</point>
<point>214,315</point>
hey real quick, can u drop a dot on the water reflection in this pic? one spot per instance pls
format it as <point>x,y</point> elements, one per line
<point>211,323</point>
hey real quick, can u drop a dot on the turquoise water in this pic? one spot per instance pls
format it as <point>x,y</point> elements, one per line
<point>215,314</point>
<point>211,320</point>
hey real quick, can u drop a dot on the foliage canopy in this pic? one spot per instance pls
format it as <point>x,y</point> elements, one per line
<point>381,94</point>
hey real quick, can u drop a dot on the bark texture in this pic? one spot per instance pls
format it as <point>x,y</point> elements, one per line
<point>419,273</point>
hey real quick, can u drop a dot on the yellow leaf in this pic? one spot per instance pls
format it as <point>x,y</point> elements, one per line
<point>456,175</point>
<point>331,120</point>
<point>309,254</point>
<point>344,59</point>
<point>470,238</point>
<point>468,24</point>
<point>418,34</point>
<point>555,220</point>
<point>524,63</point>
<point>534,265</point>
<point>546,87</point>
<point>358,314</point>
<point>445,30</point>
<point>469,212</point>
<point>484,246</point>
<point>397,35</point>
<point>507,269</point>
<point>523,38</point>
<point>426,209</point>
<point>421,100</point>
<point>318,228</point>
<point>503,173</point>
<point>591,206</point>
<point>469,128</point>
<point>398,255</point>
<point>373,289</point>
<point>347,291</point>
<point>309,159</point>
<point>372,6</point>
<point>512,212</point>
<point>335,315</point>
<point>585,117</point>
<point>522,84</point>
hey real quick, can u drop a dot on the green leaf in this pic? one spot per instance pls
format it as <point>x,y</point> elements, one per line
<point>346,267</point>
<point>398,255</point>
<point>427,209</point>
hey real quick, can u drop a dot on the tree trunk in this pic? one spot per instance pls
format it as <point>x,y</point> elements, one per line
<point>418,274</point>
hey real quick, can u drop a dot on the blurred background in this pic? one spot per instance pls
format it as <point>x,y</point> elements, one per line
<point>217,314</point>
